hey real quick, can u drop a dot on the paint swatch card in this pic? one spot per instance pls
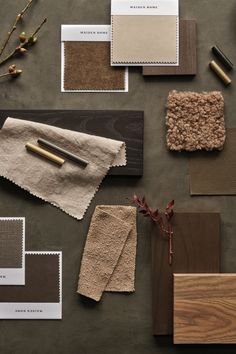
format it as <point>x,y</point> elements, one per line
<point>12,248</point>
<point>41,296</point>
<point>85,64</point>
<point>145,32</point>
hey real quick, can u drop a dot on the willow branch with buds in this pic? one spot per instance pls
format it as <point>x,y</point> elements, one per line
<point>18,18</point>
<point>22,48</point>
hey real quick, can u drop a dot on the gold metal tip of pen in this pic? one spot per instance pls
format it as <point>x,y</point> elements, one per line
<point>44,153</point>
<point>220,73</point>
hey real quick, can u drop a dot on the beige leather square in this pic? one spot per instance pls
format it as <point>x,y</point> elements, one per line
<point>144,39</point>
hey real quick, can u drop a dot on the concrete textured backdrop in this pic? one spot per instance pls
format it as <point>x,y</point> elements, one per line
<point>119,323</point>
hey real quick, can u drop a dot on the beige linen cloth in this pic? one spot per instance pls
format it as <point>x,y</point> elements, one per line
<point>70,188</point>
<point>108,262</point>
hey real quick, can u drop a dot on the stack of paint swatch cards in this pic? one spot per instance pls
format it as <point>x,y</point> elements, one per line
<point>142,33</point>
<point>30,282</point>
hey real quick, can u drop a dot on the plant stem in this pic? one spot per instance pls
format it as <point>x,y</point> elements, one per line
<point>18,17</point>
<point>6,74</point>
<point>22,45</point>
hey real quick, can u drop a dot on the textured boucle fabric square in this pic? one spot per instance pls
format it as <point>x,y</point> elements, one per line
<point>195,121</point>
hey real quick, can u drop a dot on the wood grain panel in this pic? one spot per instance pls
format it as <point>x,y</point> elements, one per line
<point>188,53</point>
<point>204,308</point>
<point>196,250</point>
<point>120,125</point>
<point>214,173</point>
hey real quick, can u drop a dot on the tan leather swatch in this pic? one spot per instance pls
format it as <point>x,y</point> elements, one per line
<point>215,173</point>
<point>144,39</point>
<point>41,281</point>
<point>87,67</point>
<point>11,238</point>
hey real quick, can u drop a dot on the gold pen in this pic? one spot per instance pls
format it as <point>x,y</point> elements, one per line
<point>44,153</point>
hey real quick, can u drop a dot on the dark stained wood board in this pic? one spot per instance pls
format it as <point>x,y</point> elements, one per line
<point>196,250</point>
<point>205,308</point>
<point>187,53</point>
<point>120,125</point>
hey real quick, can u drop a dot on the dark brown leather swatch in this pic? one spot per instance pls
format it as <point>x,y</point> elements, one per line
<point>41,281</point>
<point>196,249</point>
<point>214,173</point>
<point>87,67</point>
<point>187,53</point>
<point>11,242</point>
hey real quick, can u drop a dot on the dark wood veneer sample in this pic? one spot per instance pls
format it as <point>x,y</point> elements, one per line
<point>187,53</point>
<point>196,250</point>
<point>120,125</point>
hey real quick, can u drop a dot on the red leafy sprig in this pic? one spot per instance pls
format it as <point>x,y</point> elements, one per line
<point>164,225</point>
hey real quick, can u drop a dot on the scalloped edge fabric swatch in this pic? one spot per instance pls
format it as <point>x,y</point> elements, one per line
<point>145,32</point>
<point>85,60</point>
<point>41,296</point>
<point>70,187</point>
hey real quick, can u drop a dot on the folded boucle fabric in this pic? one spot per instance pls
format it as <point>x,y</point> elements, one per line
<point>70,187</point>
<point>108,262</point>
<point>195,121</point>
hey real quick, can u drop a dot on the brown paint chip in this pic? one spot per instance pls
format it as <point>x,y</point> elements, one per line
<point>41,281</point>
<point>87,67</point>
<point>11,238</point>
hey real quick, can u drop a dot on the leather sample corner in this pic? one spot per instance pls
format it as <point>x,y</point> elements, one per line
<point>11,239</point>
<point>205,308</point>
<point>215,173</point>
<point>144,39</point>
<point>196,247</point>
<point>42,283</point>
<point>87,67</point>
<point>187,53</point>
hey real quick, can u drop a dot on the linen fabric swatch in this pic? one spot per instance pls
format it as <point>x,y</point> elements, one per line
<point>144,32</point>
<point>215,173</point>
<point>70,188</point>
<point>11,242</point>
<point>86,60</point>
<point>41,296</point>
<point>195,121</point>
<point>108,262</point>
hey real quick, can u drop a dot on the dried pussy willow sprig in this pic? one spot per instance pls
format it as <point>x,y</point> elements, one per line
<point>18,18</point>
<point>12,71</point>
<point>163,220</point>
<point>24,41</point>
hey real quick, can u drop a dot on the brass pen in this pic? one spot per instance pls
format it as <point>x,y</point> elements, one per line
<point>44,153</point>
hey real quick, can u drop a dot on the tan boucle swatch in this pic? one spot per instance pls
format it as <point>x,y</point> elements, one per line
<point>108,262</point>
<point>195,121</point>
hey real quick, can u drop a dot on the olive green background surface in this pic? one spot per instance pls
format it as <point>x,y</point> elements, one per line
<point>119,324</point>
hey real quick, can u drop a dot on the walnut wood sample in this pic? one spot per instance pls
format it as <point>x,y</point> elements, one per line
<point>214,173</point>
<point>196,250</point>
<point>204,308</point>
<point>187,53</point>
<point>120,125</point>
